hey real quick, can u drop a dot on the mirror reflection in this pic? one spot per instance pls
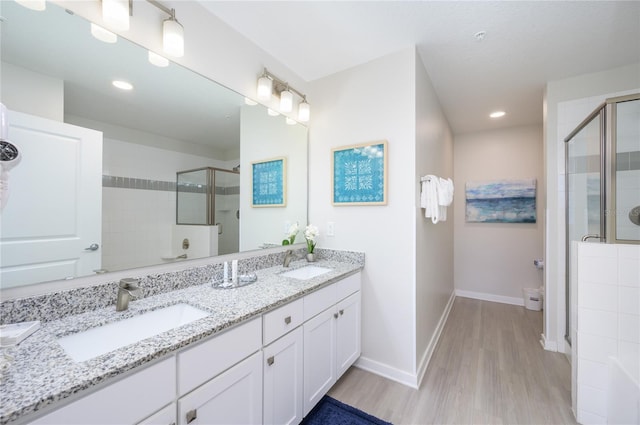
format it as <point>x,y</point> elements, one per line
<point>96,187</point>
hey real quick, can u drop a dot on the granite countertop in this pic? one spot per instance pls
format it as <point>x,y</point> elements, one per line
<point>42,373</point>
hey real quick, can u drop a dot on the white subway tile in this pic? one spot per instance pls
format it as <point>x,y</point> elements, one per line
<point>629,300</point>
<point>593,249</point>
<point>629,271</point>
<point>629,328</point>
<point>598,269</point>
<point>629,358</point>
<point>592,400</point>
<point>596,348</point>
<point>597,322</point>
<point>598,296</point>
<point>594,374</point>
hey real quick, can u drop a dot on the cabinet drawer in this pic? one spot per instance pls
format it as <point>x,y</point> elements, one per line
<point>126,401</point>
<point>318,301</point>
<point>201,363</point>
<point>282,320</point>
<point>166,416</point>
<point>347,286</point>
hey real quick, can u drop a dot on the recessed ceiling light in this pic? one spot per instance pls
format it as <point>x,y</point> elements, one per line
<point>123,85</point>
<point>497,114</point>
<point>102,34</point>
<point>158,60</point>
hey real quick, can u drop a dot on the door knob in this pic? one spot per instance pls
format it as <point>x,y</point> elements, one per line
<point>92,247</point>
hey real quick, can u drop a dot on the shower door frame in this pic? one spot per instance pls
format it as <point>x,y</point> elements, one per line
<point>606,114</point>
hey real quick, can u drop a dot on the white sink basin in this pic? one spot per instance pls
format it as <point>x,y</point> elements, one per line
<point>306,272</point>
<point>94,342</point>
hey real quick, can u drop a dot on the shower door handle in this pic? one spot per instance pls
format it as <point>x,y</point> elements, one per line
<point>587,237</point>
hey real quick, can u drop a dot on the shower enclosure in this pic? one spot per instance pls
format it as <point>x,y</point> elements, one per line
<point>211,197</point>
<point>602,178</point>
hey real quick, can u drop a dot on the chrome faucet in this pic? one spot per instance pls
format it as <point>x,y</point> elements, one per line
<point>128,288</point>
<point>288,255</point>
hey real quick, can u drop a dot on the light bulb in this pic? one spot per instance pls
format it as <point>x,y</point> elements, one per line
<point>116,14</point>
<point>304,111</point>
<point>286,101</point>
<point>265,86</point>
<point>102,34</point>
<point>173,38</point>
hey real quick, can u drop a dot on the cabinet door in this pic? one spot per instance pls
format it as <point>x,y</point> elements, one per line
<point>126,401</point>
<point>234,397</point>
<point>283,380</point>
<point>347,333</point>
<point>319,357</point>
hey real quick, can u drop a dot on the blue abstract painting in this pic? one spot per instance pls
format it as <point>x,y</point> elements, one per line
<point>269,188</point>
<point>501,201</point>
<point>359,174</point>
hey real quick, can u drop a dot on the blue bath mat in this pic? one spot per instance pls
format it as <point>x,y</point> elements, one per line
<point>330,411</point>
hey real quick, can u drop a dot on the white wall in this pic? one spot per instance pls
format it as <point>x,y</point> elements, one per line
<point>580,96</point>
<point>348,111</point>
<point>30,92</point>
<point>434,242</point>
<point>494,261</point>
<point>264,137</point>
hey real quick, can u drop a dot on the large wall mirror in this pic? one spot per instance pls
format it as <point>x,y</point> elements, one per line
<point>95,189</point>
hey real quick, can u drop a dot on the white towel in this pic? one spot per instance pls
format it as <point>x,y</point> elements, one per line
<point>435,195</point>
<point>429,198</point>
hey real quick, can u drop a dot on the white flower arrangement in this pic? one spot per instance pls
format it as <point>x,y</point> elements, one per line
<point>310,234</point>
<point>291,234</point>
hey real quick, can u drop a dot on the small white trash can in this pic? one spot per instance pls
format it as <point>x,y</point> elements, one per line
<point>532,299</point>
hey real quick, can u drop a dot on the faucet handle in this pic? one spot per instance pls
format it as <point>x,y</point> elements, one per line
<point>129,283</point>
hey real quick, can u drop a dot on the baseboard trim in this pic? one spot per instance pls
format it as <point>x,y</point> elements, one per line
<point>490,297</point>
<point>387,371</point>
<point>548,345</point>
<point>431,347</point>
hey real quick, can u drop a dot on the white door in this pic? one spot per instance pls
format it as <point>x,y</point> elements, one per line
<point>283,380</point>
<point>319,357</point>
<point>347,333</point>
<point>53,213</point>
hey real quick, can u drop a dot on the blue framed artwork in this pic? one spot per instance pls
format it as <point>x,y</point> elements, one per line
<point>359,174</point>
<point>269,183</point>
<point>501,201</point>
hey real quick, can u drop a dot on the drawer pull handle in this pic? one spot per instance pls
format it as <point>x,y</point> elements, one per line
<point>287,320</point>
<point>341,312</point>
<point>270,360</point>
<point>192,415</point>
<point>335,315</point>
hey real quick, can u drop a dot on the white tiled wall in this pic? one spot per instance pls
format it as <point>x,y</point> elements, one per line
<point>607,283</point>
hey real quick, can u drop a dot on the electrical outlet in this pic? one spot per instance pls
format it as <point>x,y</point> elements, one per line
<point>330,229</point>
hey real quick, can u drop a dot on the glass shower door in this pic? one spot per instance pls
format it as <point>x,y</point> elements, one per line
<point>584,200</point>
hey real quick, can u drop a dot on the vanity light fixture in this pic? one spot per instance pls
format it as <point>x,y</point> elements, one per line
<point>115,13</point>
<point>122,85</point>
<point>286,100</point>
<point>269,84</point>
<point>158,60</point>
<point>497,114</point>
<point>102,34</point>
<point>38,5</point>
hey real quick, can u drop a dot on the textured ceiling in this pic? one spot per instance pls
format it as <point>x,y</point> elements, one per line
<point>527,44</point>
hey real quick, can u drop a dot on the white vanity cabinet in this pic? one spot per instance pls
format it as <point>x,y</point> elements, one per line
<point>127,401</point>
<point>166,416</point>
<point>331,337</point>
<point>215,384</point>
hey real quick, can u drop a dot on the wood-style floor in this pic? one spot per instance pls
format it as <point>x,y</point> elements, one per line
<point>488,368</point>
